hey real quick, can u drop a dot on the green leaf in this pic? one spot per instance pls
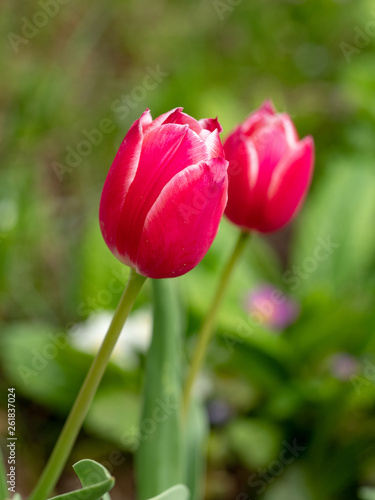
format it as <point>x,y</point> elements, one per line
<point>158,458</point>
<point>178,492</point>
<point>48,370</point>
<point>98,269</point>
<point>3,479</point>
<point>334,247</point>
<point>112,411</point>
<point>290,485</point>
<point>43,366</point>
<point>195,449</point>
<point>255,441</point>
<point>96,482</point>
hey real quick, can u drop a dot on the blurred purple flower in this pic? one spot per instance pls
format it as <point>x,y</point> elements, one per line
<point>343,365</point>
<point>219,412</point>
<point>268,306</point>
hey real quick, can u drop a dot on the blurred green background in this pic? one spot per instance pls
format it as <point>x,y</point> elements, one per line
<point>69,68</point>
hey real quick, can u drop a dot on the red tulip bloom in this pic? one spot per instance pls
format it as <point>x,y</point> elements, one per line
<point>165,194</point>
<point>269,172</point>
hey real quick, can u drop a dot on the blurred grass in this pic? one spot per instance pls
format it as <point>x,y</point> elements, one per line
<point>219,61</point>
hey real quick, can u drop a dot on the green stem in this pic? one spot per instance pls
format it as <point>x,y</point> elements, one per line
<point>209,322</point>
<point>84,399</point>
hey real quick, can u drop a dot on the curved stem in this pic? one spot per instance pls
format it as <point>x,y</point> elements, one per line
<point>77,415</point>
<point>209,321</point>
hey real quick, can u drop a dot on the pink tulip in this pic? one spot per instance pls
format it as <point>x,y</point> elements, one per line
<point>269,172</point>
<point>165,194</point>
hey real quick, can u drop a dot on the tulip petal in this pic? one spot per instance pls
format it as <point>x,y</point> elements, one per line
<point>160,120</point>
<point>289,129</point>
<point>119,179</point>
<point>166,151</point>
<point>183,222</point>
<point>243,171</point>
<point>183,119</point>
<point>211,124</point>
<point>271,145</point>
<point>289,185</point>
<point>261,117</point>
<point>145,119</point>
<point>214,145</point>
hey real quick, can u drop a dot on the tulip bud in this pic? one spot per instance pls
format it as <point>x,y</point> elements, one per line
<point>269,172</point>
<point>165,194</point>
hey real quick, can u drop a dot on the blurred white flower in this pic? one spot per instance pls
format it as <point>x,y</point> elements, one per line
<point>135,337</point>
<point>203,386</point>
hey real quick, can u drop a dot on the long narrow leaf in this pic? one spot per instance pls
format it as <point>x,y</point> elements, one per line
<point>158,459</point>
<point>195,452</point>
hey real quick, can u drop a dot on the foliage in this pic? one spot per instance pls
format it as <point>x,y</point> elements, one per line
<point>96,482</point>
<point>272,387</point>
